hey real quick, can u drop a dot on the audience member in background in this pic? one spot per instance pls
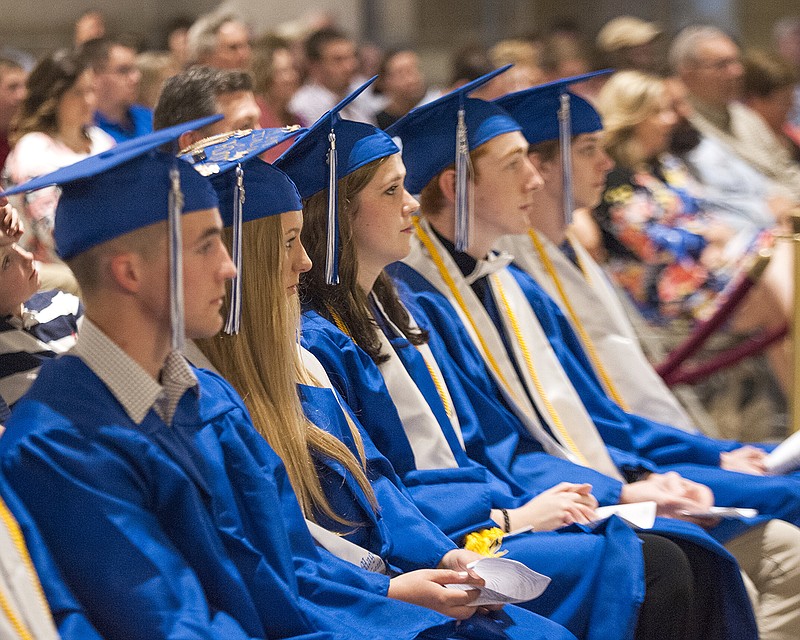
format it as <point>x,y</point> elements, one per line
<point>178,41</point>
<point>220,40</point>
<point>526,72</point>
<point>154,67</point>
<point>741,194</point>
<point>670,254</point>
<point>199,92</point>
<point>470,63</point>
<point>565,55</point>
<point>332,70</point>
<point>629,43</point>
<point>117,80</point>
<point>769,91</point>
<point>55,128</point>
<point>12,93</point>
<point>275,81</point>
<point>786,34</point>
<point>91,24</point>
<point>709,63</point>
<point>34,327</point>
<point>401,81</point>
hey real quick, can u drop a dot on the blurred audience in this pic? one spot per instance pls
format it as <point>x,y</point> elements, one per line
<point>630,43</point>
<point>91,24</point>
<point>786,35</point>
<point>154,67</point>
<point>401,82</point>
<point>220,40</point>
<point>12,93</point>
<point>178,41</point>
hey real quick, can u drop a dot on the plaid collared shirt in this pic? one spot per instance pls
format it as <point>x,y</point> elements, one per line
<point>130,384</point>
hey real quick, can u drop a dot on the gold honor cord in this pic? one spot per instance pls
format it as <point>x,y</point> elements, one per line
<point>19,543</point>
<point>437,381</point>
<point>584,336</point>
<point>526,354</point>
<point>448,279</point>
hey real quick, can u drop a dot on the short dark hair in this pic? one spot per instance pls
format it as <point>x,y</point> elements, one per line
<point>94,53</point>
<point>193,93</point>
<point>765,73</point>
<point>316,42</point>
<point>469,63</point>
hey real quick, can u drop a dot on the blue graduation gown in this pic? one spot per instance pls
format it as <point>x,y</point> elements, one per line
<point>507,442</point>
<point>397,532</point>
<point>182,531</point>
<point>633,441</point>
<point>594,572</point>
<point>68,616</point>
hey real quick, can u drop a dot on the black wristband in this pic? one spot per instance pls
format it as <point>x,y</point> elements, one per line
<point>506,521</point>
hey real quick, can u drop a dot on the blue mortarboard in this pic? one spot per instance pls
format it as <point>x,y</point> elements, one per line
<point>128,187</point>
<point>343,146</point>
<point>443,132</point>
<point>551,112</point>
<point>248,189</point>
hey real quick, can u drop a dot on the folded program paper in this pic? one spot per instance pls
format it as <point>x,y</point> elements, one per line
<point>507,582</point>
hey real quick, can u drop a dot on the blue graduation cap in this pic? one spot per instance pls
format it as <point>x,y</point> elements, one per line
<point>443,132</point>
<point>248,189</point>
<point>551,112</point>
<point>125,188</point>
<point>342,145</point>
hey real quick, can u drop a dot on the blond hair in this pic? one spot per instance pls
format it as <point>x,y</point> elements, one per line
<point>263,365</point>
<point>625,101</point>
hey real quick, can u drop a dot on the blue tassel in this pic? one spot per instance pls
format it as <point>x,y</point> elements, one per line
<point>565,146</point>
<point>176,260</point>
<point>233,321</point>
<point>463,222</point>
<point>332,255</point>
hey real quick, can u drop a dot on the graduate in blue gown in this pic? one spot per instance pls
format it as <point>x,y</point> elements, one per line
<point>476,288</point>
<point>328,459</point>
<point>408,411</point>
<point>167,514</point>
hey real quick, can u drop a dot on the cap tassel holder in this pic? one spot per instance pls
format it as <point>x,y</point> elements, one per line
<point>176,260</point>
<point>234,319</point>
<point>332,255</point>
<point>464,207</point>
<point>565,146</point>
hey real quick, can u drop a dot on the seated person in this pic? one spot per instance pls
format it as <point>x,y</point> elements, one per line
<point>165,511</point>
<point>34,327</point>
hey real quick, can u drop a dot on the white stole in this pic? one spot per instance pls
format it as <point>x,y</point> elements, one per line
<point>428,444</point>
<point>346,550</point>
<point>504,375</point>
<point>554,395</point>
<point>603,318</point>
<point>24,602</point>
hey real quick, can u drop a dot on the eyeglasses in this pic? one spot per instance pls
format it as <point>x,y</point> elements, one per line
<point>719,65</point>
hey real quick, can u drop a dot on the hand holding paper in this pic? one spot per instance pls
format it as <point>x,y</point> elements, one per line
<point>507,582</point>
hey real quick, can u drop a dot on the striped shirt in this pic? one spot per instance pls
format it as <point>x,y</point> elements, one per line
<point>47,328</point>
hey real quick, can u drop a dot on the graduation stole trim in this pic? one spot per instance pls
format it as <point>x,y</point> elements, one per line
<point>508,382</point>
<point>343,549</point>
<point>42,615</point>
<point>588,344</point>
<point>576,431</point>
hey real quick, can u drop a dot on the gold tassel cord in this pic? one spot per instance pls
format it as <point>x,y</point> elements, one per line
<point>591,350</point>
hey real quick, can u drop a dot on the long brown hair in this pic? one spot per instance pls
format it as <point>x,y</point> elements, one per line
<point>347,299</point>
<point>263,365</point>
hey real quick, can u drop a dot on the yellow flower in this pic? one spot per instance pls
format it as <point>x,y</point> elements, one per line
<point>486,542</point>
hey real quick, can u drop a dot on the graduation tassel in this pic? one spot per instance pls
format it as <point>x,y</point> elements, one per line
<point>565,146</point>
<point>463,185</point>
<point>233,321</point>
<point>176,260</point>
<point>332,255</point>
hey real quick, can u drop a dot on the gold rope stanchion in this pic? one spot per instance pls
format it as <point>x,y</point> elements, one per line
<point>794,400</point>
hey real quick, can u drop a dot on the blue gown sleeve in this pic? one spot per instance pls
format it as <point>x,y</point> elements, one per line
<point>143,588</point>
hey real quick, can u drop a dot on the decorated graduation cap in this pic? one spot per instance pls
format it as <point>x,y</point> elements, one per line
<point>248,189</point>
<point>342,146</point>
<point>126,188</point>
<point>443,132</point>
<point>551,112</point>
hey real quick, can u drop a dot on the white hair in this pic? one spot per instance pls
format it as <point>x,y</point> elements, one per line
<point>683,51</point>
<point>202,35</point>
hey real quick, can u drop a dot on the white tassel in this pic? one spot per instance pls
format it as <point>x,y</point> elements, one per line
<point>565,146</point>
<point>234,319</point>
<point>332,255</point>
<point>176,260</point>
<point>464,208</point>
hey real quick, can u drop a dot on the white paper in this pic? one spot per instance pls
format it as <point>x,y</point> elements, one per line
<point>641,515</point>
<point>785,457</point>
<point>723,512</point>
<point>507,582</point>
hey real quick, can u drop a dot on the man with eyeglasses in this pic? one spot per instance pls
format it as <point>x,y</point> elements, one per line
<point>709,63</point>
<point>117,85</point>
